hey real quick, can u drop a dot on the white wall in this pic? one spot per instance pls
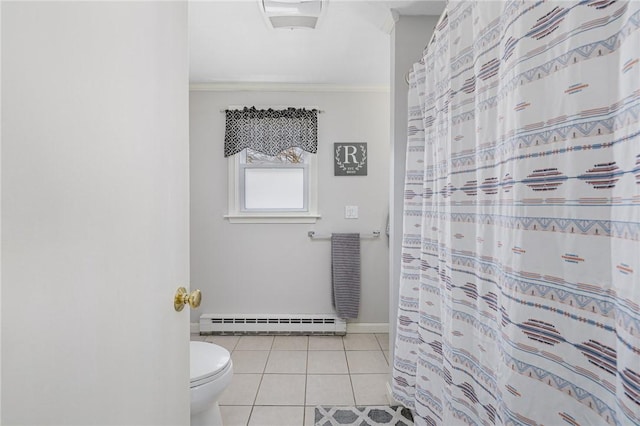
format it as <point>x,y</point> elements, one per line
<point>408,40</point>
<point>94,213</point>
<point>276,268</point>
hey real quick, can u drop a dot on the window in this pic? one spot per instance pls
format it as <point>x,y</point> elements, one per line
<point>272,164</point>
<point>273,183</point>
<point>270,189</point>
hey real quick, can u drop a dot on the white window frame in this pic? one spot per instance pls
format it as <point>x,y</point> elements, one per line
<point>238,214</point>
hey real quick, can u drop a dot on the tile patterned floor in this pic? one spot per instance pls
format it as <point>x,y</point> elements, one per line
<point>278,380</point>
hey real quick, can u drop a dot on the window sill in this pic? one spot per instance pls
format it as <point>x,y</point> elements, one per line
<point>273,218</point>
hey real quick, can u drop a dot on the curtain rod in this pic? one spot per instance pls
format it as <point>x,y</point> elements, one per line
<point>444,13</point>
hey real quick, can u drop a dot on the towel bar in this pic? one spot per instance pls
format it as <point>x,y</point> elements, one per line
<point>313,236</point>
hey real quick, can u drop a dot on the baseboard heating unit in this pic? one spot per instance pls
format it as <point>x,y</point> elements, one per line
<point>272,324</point>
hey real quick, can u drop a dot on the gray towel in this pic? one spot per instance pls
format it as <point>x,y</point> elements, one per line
<point>345,274</point>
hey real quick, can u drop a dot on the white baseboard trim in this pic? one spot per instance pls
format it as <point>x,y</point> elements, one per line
<point>390,398</point>
<point>195,328</point>
<point>367,327</point>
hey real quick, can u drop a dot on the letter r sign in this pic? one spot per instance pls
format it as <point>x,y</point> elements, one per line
<point>350,159</point>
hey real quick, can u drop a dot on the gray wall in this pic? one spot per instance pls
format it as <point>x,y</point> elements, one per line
<point>276,268</point>
<point>408,40</point>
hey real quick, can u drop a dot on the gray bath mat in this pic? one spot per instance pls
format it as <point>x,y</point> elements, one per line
<point>363,416</point>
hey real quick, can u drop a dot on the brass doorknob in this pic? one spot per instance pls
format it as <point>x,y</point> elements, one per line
<point>184,298</point>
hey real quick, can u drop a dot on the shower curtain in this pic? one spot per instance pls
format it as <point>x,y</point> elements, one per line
<point>520,291</point>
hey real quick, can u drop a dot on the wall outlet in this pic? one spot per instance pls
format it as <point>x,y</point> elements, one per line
<point>350,212</point>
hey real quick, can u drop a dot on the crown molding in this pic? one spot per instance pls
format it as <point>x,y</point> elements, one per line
<point>282,87</point>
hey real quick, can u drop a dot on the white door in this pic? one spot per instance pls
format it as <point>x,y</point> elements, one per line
<point>94,213</point>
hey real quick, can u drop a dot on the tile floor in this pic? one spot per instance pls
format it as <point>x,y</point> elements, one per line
<point>278,380</point>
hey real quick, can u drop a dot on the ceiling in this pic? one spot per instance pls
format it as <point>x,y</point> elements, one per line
<point>231,42</point>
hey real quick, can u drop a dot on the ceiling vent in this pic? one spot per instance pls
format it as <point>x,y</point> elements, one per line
<point>293,14</point>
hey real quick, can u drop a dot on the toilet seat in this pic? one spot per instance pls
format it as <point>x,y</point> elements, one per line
<point>208,361</point>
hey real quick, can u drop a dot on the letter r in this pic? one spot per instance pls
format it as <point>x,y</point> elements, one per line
<point>350,151</point>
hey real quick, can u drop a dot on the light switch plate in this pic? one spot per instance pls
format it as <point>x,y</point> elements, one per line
<point>350,212</point>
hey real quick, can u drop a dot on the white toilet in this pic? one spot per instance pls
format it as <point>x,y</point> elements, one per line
<point>211,373</point>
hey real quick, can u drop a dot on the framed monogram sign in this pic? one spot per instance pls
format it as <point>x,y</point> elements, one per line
<point>350,159</point>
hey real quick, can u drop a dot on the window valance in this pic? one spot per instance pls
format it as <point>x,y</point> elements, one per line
<point>270,131</point>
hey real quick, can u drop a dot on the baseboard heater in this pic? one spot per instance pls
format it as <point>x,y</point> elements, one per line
<point>272,324</point>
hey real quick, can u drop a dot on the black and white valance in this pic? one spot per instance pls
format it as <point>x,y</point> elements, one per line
<point>270,131</point>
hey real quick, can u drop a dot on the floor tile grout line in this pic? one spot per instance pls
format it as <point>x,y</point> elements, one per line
<point>255,399</point>
<point>353,393</point>
<point>250,414</point>
<point>306,381</point>
<point>378,340</point>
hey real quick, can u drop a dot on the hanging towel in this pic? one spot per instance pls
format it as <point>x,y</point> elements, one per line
<point>345,274</point>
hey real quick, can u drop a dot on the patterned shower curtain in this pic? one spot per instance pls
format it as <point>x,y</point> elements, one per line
<point>520,290</point>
